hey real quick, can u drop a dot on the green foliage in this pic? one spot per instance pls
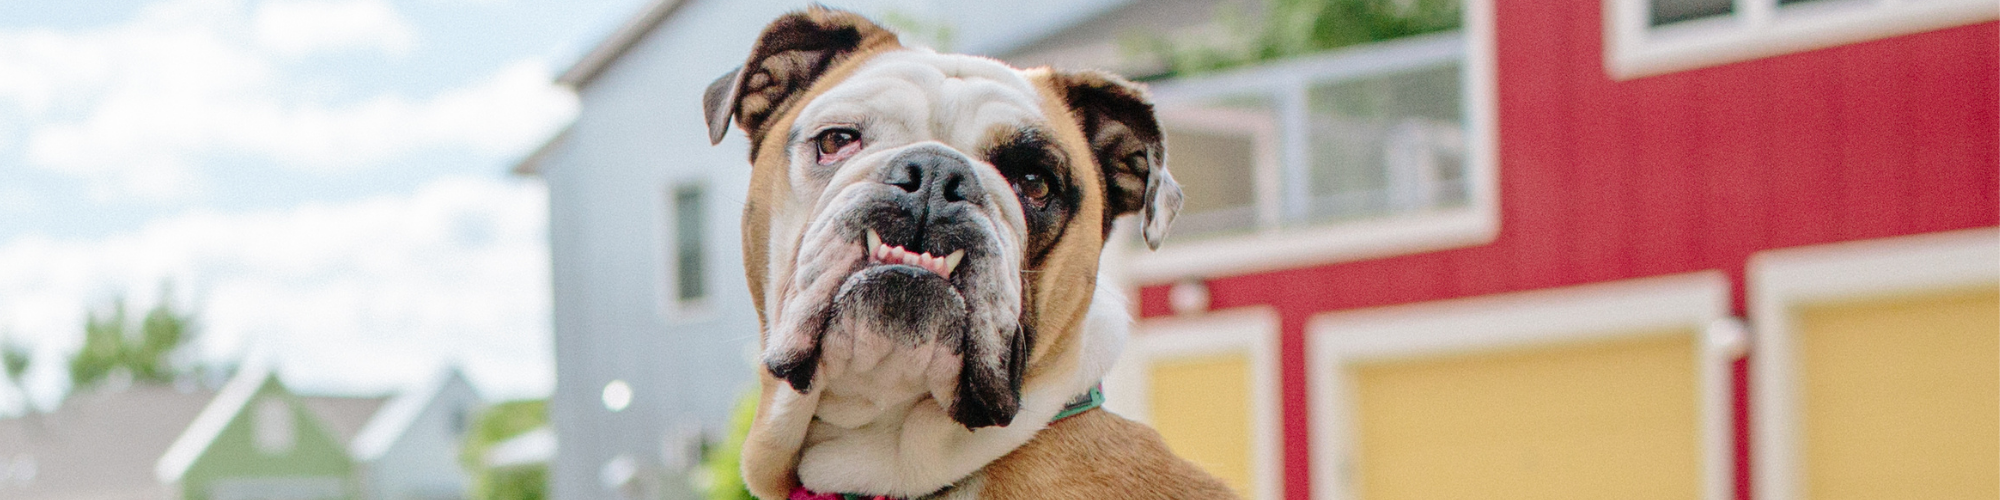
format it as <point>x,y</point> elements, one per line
<point>724,463</point>
<point>14,359</point>
<point>1295,27</point>
<point>916,29</point>
<point>515,483</point>
<point>145,349</point>
<point>497,423</point>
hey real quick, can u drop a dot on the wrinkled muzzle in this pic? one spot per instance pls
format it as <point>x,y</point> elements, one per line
<point>906,285</point>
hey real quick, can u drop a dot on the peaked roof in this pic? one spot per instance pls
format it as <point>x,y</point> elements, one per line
<point>389,425</point>
<point>212,421</point>
<point>531,165</point>
<point>594,62</point>
<point>99,444</point>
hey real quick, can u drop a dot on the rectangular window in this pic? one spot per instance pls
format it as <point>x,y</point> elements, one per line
<point>1366,132</point>
<point>1674,11</point>
<point>1650,37</point>
<point>688,248</point>
<point>1360,152</point>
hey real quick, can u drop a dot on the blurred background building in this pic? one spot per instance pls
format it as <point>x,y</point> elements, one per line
<point>1618,249</point>
<point>253,439</point>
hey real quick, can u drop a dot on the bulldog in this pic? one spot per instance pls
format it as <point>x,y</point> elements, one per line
<point>921,238</point>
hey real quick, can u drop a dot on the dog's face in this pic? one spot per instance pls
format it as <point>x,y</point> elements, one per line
<point>923,230</point>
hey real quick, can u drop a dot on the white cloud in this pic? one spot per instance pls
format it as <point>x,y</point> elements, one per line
<point>136,108</point>
<point>365,295</point>
<point>301,27</point>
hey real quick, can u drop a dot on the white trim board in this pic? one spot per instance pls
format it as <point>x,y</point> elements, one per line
<point>1272,247</point>
<point>1780,280</point>
<point>1756,29</point>
<point>1250,330</point>
<point>1603,311</point>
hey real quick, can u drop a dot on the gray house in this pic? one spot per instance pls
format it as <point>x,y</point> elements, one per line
<point>654,330</point>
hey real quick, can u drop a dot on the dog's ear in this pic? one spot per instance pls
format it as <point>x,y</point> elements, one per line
<point>1117,118</point>
<point>792,53</point>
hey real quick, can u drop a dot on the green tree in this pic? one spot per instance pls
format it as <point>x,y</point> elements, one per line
<point>14,359</point>
<point>1290,28</point>
<point>144,349</point>
<point>497,423</point>
<point>724,463</point>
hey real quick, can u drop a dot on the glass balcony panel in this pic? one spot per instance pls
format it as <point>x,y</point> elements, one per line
<point>1382,145</point>
<point>1215,148</point>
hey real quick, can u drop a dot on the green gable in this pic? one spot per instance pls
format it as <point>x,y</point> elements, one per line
<point>257,441</point>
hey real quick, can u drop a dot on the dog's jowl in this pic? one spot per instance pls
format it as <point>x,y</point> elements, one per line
<point>921,236</point>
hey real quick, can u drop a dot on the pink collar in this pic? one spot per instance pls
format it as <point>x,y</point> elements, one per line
<point>801,493</point>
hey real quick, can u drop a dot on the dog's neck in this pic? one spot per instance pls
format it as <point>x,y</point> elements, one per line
<point>878,432</point>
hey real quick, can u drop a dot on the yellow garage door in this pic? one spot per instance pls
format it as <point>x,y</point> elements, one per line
<point>1612,419</point>
<point>1901,398</point>
<point>1201,405</point>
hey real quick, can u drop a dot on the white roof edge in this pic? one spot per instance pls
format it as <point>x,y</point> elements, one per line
<point>531,164</point>
<point>394,419</point>
<point>600,57</point>
<point>212,420</point>
<point>536,446</point>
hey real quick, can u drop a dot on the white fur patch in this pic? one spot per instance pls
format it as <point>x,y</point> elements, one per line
<point>924,450</point>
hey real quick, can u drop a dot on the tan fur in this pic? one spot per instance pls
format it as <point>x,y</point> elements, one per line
<point>1098,455</point>
<point>1064,284</point>
<point>767,177</point>
<point>768,185</point>
<point>1094,455</point>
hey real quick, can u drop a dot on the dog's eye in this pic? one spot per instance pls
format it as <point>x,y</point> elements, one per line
<point>837,144</point>
<point>1033,186</point>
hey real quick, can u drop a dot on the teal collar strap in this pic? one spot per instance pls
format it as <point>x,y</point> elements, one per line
<point>1084,402</point>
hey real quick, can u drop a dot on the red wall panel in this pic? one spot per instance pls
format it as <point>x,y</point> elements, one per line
<point>1604,180</point>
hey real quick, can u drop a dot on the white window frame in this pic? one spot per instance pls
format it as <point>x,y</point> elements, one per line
<point>672,306</point>
<point>1602,311</point>
<point>1250,330</point>
<point>1273,247</point>
<point>1761,28</point>
<point>1781,280</point>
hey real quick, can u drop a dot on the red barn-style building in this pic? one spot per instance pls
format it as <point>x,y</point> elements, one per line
<point>1618,249</point>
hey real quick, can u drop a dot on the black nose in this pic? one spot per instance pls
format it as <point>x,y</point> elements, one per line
<point>935,177</point>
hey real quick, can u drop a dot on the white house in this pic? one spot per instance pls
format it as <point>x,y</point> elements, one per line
<point>409,449</point>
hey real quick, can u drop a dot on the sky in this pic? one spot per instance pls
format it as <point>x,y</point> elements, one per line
<point>323,182</point>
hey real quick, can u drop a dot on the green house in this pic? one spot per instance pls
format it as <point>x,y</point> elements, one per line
<point>258,441</point>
